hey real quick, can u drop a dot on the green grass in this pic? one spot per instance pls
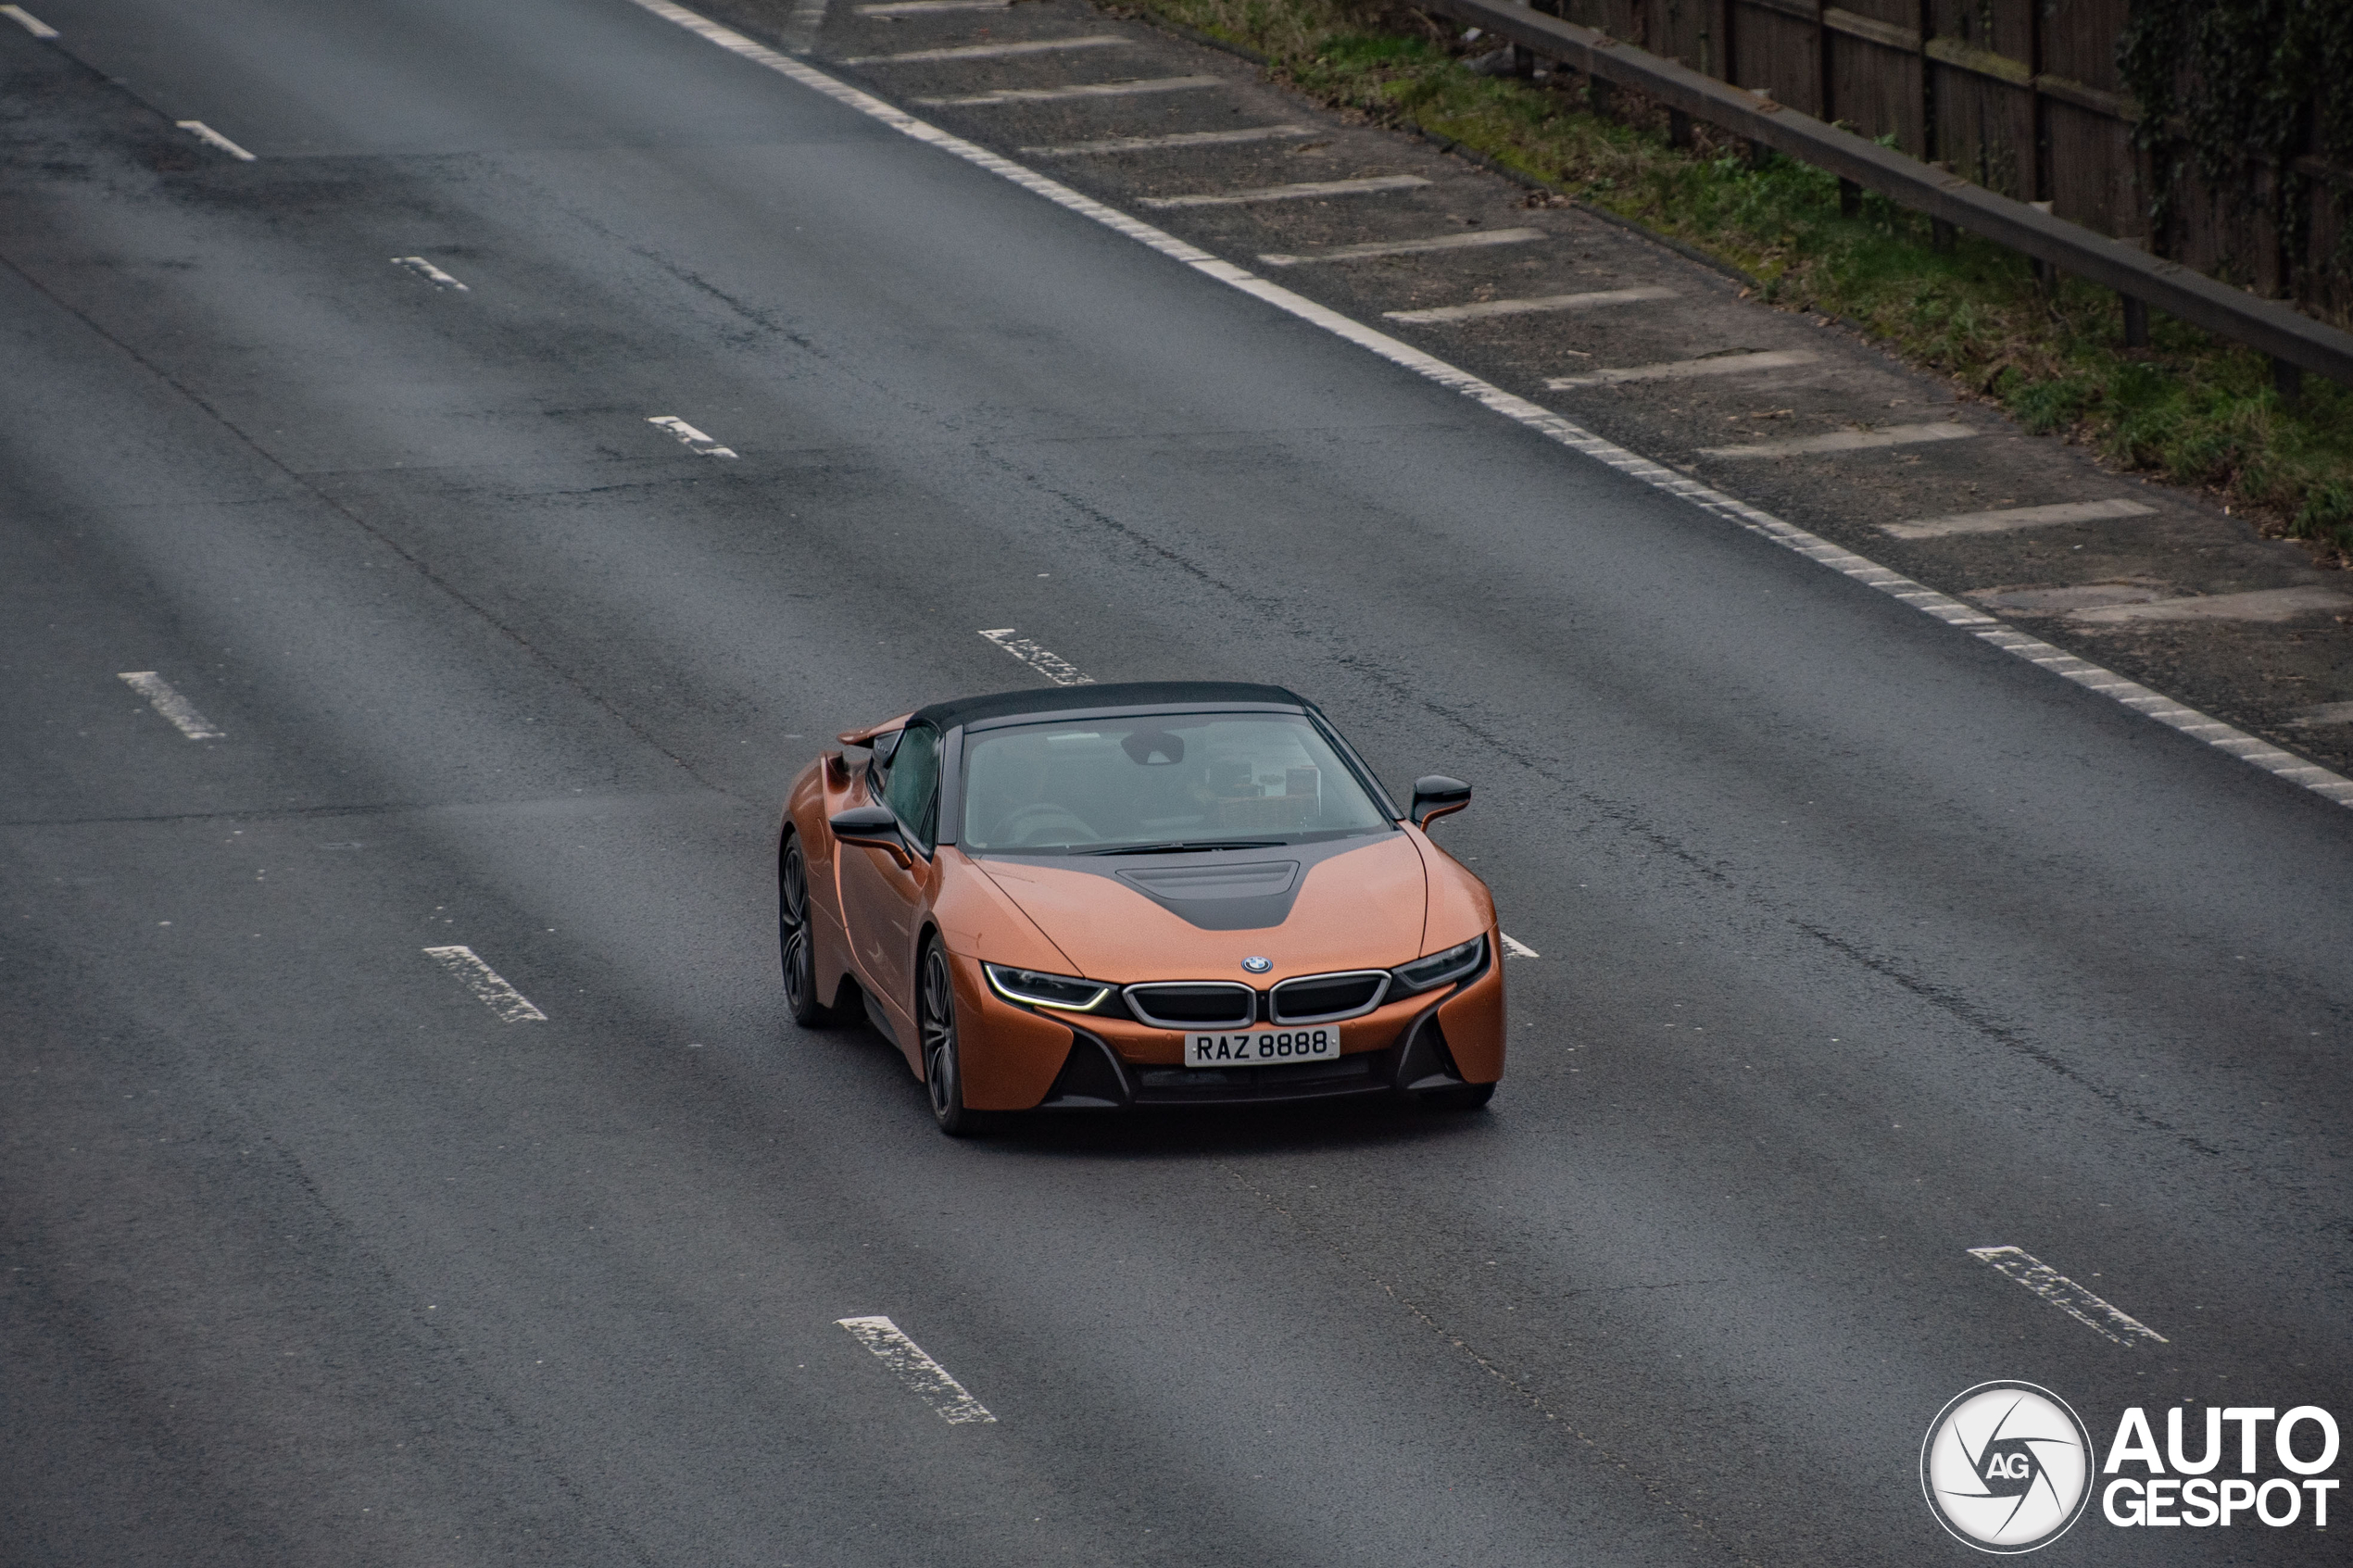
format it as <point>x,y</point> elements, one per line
<point>2190,409</point>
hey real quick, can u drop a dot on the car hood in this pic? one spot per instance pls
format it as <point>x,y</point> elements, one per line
<point>1308,908</point>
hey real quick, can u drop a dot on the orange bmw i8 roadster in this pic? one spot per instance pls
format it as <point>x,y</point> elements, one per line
<point>1143,895</point>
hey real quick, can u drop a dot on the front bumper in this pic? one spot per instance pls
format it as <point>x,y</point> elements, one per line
<point>1094,1078</point>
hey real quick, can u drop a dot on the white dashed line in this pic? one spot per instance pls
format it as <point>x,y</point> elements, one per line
<point>1594,300</point>
<point>1516,948</point>
<point>2066,1295</point>
<point>2260,604</point>
<point>1085,90</point>
<point>916,1372</point>
<point>1683,369</point>
<point>1054,666</point>
<point>171,705</point>
<point>28,21</point>
<point>206,134</point>
<point>1533,415</point>
<point>485,981</point>
<point>428,272</point>
<point>993,51</point>
<point>1471,239</point>
<point>1176,139</point>
<point>1846,441</point>
<point>2014,516</point>
<point>689,435</point>
<point>924,8</point>
<point>1303,191</point>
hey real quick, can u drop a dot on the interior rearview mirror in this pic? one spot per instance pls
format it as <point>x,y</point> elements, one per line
<point>871,827</point>
<point>1435,796</point>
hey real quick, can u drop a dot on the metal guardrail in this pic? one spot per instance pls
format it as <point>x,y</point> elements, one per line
<point>2293,341</point>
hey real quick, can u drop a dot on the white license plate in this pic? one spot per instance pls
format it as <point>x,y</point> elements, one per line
<point>1261,1048</point>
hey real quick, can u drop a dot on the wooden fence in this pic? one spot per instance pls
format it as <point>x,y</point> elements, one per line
<point>2020,96</point>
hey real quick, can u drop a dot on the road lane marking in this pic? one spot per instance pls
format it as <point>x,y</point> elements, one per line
<point>1524,307</point>
<point>926,7</point>
<point>1302,191</point>
<point>1516,948</point>
<point>689,437</point>
<point>488,987</point>
<point>204,132</point>
<point>1847,441</point>
<point>171,705</point>
<point>2259,604</point>
<point>1086,89</point>
<point>1532,416</point>
<point>994,51</point>
<point>1470,239</point>
<point>2066,1295</point>
<point>1051,665</point>
<point>427,271</point>
<point>916,1372</point>
<point>2327,713</point>
<point>2002,521</point>
<point>28,21</point>
<point>1683,369</point>
<point>802,26</point>
<point>1176,139</point>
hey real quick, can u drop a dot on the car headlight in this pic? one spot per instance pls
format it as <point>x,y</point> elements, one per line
<point>1041,990</point>
<point>1440,968</point>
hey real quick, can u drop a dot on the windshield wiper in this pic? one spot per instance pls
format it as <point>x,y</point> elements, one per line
<point>1178,846</point>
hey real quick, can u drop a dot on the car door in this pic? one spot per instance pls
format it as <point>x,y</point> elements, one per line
<point>884,901</point>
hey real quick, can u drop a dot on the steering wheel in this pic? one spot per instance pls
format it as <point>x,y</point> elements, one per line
<point>1028,825</point>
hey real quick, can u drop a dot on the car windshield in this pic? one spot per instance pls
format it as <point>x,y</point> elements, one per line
<point>1168,782</point>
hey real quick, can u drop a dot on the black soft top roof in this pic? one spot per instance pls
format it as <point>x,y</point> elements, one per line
<point>1125,693</point>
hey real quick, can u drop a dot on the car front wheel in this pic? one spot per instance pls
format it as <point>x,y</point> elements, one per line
<point>936,1023</point>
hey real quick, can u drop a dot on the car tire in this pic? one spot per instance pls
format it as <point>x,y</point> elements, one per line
<point>795,941</point>
<point>1461,1097</point>
<point>935,1028</point>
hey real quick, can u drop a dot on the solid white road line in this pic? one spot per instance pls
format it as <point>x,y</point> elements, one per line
<point>1054,666</point>
<point>1514,948</point>
<point>488,988</point>
<point>1532,416</point>
<point>1470,239</point>
<point>1525,306</point>
<point>2260,604</point>
<point>702,444</point>
<point>2014,516</point>
<point>917,1372</point>
<point>28,21</point>
<point>1088,90</point>
<point>1303,191</point>
<point>1846,441</point>
<point>992,51</point>
<point>171,705</point>
<point>2066,1295</point>
<point>924,8</point>
<point>1176,139</point>
<point>426,269</point>
<point>1682,369</point>
<point>204,132</point>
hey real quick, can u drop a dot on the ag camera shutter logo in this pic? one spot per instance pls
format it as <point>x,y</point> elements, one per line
<point>2006,1467</point>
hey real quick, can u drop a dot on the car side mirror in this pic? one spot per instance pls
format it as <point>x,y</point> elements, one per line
<point>1435,796</point>
<point>871,827</point>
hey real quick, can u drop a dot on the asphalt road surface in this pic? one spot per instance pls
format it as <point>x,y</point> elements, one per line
<point>1861,944</point>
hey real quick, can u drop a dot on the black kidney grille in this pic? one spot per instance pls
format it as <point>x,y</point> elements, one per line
<point>1208,1004</point>
<point>1324,997</point>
